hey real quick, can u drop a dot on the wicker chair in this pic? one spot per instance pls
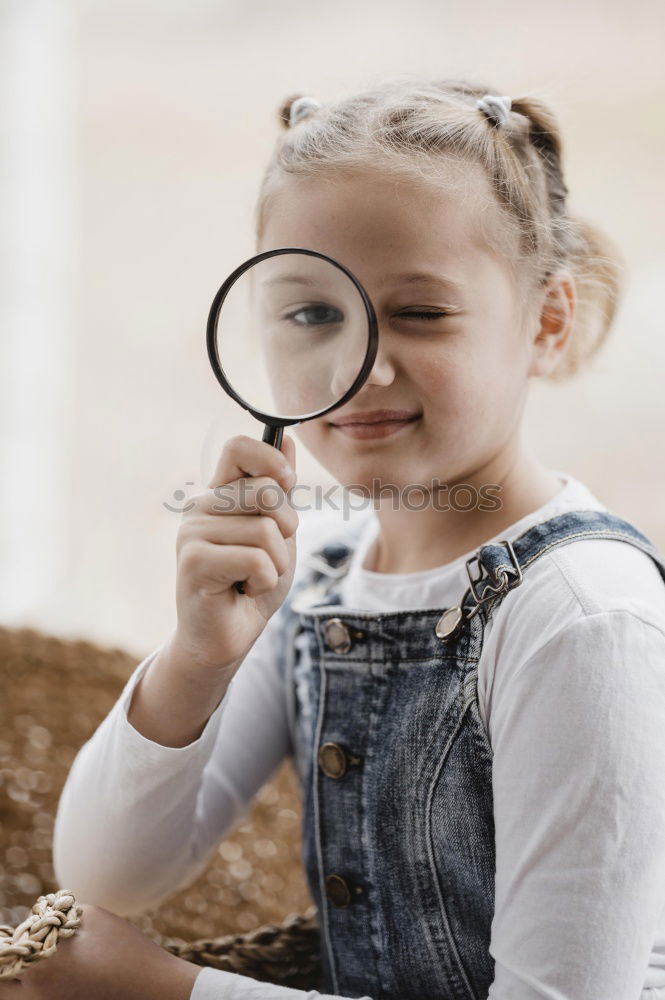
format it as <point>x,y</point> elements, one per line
<point>250,910</point>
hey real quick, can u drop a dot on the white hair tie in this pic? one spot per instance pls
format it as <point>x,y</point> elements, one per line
<point>496,108</point>
<point>301,108</point>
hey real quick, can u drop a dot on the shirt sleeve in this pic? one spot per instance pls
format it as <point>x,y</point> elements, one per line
<point>216,984</point>
<point>137,821</point>
<point>579,807</point>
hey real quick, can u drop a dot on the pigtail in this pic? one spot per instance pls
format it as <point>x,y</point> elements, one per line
<point>544,136</point>
<point>600,273</point>
<point>592,256</point>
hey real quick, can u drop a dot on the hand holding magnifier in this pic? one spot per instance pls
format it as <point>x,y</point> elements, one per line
<point>291,335</point>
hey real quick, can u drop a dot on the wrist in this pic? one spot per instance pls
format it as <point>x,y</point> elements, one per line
<point>173,700</point>
<point>177,652</point>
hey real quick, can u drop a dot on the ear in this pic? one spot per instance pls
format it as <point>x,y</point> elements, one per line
<point>554,325</point>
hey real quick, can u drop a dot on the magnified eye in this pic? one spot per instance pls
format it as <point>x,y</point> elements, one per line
<point>317,314</point>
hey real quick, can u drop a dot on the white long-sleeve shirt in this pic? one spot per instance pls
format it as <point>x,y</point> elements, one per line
<point>571,687</point>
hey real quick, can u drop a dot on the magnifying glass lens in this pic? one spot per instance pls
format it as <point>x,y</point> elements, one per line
<point>292,335</point>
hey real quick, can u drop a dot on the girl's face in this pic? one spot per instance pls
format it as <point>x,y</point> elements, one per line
<point>452,352</point>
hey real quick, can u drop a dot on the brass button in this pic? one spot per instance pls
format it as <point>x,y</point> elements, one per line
<point>335,760</point>
<point>337,635</point>
<point>332,760</point>
<point>339,891</point>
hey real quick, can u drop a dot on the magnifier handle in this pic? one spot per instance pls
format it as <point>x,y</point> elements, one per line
<point>272,435</point>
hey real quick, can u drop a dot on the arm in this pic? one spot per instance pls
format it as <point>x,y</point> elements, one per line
<point>578,734</point>
<point>153,813</point>
<point>137,820</point>
<point>106,959</point>
<point>110,959</point>
<point>172,700</point>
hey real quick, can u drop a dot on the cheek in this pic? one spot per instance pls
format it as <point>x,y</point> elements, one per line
<point>444,378</point>
<point>312,433</point>
<point>468,385</point>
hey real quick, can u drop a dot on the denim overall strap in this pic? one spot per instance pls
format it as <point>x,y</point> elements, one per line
<point>396,771</point>
<point>502,564</point>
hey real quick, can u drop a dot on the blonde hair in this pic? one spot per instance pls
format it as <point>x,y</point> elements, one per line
<point>420,128</point>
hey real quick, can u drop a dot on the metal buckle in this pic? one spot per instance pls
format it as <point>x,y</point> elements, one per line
<point>491,591</point>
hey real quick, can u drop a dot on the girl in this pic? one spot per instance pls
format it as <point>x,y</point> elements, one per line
<point>473,690</point>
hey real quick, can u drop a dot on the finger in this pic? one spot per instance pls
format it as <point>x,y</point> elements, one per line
<point>288,449</point>
<point>260,495</point>
<point>245,456</point>
<point>260,532</point>
<point>217,567</point>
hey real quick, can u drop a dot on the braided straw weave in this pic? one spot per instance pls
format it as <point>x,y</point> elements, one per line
<point>277,953</point>
<point>53,916</point>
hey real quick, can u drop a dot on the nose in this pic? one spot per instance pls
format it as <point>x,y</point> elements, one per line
<point>383,369</point>
<point>381,373</point>
<point>343,376</point>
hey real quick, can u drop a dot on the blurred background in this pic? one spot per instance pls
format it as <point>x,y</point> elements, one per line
<point>134,135</point>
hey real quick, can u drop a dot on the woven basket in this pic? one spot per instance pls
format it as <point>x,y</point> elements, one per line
<point>249,911</point>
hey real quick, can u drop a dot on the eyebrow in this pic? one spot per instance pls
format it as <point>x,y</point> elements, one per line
<point>423,278</point>
<point>411,278</point>
<point>291,279</point>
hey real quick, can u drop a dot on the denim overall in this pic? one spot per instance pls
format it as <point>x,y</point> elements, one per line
<point>395,768</point>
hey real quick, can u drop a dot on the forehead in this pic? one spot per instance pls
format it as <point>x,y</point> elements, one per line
<point>371,215</point>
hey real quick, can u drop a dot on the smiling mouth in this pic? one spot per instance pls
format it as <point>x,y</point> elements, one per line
<point>375,417</point>
<point>375,424</point>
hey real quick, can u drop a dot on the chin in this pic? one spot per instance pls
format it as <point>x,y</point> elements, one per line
<point>374,485</point>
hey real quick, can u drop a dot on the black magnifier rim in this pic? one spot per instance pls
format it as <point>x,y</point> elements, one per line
<point>211,338</point>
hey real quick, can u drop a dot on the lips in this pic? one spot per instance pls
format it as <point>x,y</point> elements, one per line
<point>375,417</point>
<point>375,424</point>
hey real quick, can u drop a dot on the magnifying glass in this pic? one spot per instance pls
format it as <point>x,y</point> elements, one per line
<point>291,335</point>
